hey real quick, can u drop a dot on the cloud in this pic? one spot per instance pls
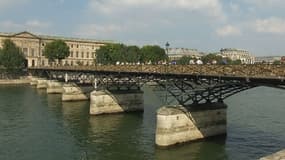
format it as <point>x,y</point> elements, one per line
<point>267,3</point>
<point>90,30</point>
<point>28,25</point>
<point>5,4</point>
<point>234,7</point>
<point>228,30</point>
<point>271,25</point>
<point>211,8</point>
<point>37,24</point>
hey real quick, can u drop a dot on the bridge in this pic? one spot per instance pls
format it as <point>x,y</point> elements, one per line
<point>194,94</point>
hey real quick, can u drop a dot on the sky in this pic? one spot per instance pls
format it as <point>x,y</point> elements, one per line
<point>207,25</point>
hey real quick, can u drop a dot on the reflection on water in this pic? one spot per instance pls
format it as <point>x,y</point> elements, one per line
<point>35,125</point>
<point>212,148</point>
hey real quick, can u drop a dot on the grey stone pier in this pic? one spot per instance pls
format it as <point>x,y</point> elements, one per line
<point>41,83</point>
<point>34,81</point>
<point>107,102</point>
<point>178,124</point>
<point>276,156</point>
<point>54,87</point>
<point>73,92</point>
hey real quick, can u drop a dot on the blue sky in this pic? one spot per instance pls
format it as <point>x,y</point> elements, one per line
<point>207,25</point>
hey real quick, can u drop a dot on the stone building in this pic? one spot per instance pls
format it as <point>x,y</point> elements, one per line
<point>82,51</point>
<point>238,54</point>
<point>175,54</point>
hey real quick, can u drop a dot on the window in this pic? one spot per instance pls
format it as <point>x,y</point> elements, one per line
<point>71,54</point>
<point>77,54</point>
<point>77,46</point>
<point>71,45</point>
<point>33,52</point>
<point>43,44</point>
<point>82,54</point>
<point>87,55</point>
<point>25,51</point>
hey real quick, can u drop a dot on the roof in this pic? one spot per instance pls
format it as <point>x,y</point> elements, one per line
<point>51,37</point>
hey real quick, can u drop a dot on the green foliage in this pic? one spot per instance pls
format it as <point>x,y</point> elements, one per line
<point>113,53</point>
<point>185,60</point>
<point>276,62</point>
<point>153,54</point>
<point>11,57</point>
<point>133,54</point>
<point>110,54</point>
<point>236,62</point>
<point>209,58</point>
<point>57,49</point>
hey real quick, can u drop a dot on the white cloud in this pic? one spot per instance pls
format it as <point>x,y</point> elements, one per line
<point>267,3</point>
<point>228,30</point>
<point>37,24</point>
<point>211,8</point>
<point>28,25</point>
<point>97,30</point>
<point>5,4</point>
<point>234,7</point>
<point>271,25</point>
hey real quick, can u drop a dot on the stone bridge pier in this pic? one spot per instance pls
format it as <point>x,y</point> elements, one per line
<point>42,83</point>
<point>54,87</point>
<point>178,124</point>
<point>107,102</point>
<point>73,92</point>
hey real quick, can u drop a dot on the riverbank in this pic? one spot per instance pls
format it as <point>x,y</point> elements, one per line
<point>21,80</point>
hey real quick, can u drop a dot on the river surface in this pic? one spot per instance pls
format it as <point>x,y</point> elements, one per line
<point>37,126</point>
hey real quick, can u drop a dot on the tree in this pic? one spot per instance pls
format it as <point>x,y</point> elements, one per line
<point>209,58</point>
<point>111,53</point>
<point>276,62</point>
<point>185,60</point>
<point>153,54</point>
<point>11,57</point>
<point>236,62</point>
<point>102,55</point>
<point>57,49</point>
<point>133,54</point>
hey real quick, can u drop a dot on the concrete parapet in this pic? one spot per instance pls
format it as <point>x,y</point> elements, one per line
<point>54,87</point>
<point>41,83</point>
<point>105,102</point>
<point>276,156</point>
<point>73,92</point>
<point>178,124</point>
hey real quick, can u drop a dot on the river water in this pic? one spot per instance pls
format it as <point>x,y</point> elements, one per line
<point>37,126</point>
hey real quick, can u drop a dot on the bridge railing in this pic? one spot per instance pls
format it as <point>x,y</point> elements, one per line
<point>276,71</point>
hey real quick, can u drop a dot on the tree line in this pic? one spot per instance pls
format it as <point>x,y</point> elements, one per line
<point>120,53</point>
<point>212,58</point>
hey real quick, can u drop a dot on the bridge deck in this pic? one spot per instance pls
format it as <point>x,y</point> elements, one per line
<point>257,73</point>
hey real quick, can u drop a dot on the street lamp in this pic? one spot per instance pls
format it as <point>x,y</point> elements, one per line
<point>166,48</point>
<point>166,71</point>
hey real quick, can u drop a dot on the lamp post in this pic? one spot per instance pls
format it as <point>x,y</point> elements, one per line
<point>166,71</point>
<point>166,48</point>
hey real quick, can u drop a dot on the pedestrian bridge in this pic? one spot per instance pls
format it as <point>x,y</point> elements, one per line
<point>188,84</point>
<point>194,94</point>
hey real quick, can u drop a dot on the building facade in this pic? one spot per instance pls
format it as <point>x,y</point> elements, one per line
<point>238,54</point>
<point>267,59</point>
<point>175,54</point>
<point>82,51</point>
